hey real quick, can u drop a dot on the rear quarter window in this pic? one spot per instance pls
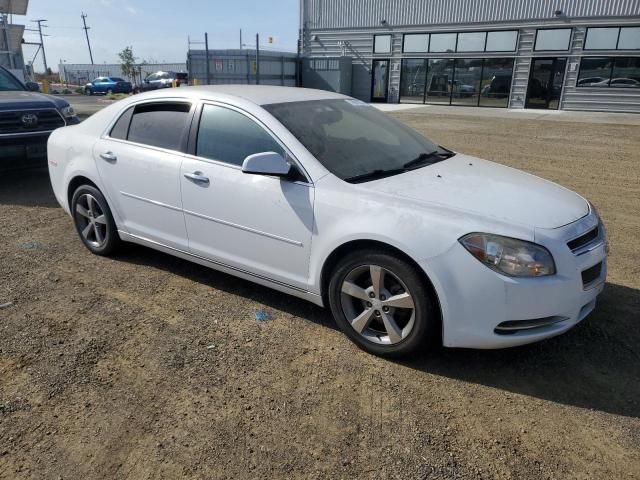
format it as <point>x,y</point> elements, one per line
<point>121,128</point>
<point>160,125</point>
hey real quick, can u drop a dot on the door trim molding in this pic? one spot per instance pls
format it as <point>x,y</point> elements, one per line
<point>242,227</point>
<point>152,202</point>
<point>213,219</point>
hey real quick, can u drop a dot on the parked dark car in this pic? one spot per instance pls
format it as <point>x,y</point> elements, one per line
<point>27,118</point>
<point>108,85</point>
<point>162,80</point>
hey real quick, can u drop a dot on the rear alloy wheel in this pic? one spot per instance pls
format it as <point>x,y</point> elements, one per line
<point>93,221</point>
<point>380,301</point>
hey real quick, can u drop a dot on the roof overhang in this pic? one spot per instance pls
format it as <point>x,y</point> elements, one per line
<point>15,7</point>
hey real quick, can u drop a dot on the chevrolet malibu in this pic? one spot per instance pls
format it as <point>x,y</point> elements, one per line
<point>326,198</point>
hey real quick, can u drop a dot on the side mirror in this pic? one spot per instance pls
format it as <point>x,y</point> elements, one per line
<point>266,163</point>
<point>32,86</point>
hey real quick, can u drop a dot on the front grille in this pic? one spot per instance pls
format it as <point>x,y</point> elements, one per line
<point>591,275</point>
<point>584,240</point>
<point>29,121</point>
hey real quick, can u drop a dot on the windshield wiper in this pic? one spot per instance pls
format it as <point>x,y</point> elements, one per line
<point>421,160</point>
<point>374,175</point>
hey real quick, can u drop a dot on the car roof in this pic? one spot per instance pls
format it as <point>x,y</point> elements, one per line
<point>258,94</point>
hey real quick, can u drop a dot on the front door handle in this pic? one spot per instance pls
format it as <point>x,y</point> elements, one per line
<point>109,157</point>
<point>197,177</point>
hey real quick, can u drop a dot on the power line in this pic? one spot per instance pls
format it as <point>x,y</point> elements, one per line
<point>86,32</point>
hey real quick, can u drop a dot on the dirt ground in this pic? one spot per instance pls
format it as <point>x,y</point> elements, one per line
<point>144,366</point>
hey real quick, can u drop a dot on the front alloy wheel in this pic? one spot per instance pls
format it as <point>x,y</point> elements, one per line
<point>383,303</point>
<point>377,304</point>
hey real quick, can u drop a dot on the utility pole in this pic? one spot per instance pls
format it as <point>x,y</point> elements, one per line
<point>206,52</point>
<point>240,39</point>
<point>86,32</point>
<point>257,59</point>
<point>44,56</point>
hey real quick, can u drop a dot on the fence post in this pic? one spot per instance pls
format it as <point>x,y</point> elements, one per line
<point>206,49</point>
<point>282,71</point>
<point>248,70</point>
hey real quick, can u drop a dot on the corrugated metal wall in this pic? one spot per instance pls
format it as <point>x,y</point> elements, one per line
<point>347,27</point>
<point>326,14</point>
<point>595,99</point>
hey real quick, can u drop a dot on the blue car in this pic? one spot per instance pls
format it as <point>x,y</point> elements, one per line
<point>107,86</point>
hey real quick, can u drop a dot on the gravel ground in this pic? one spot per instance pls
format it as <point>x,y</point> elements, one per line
<point>144,366</point>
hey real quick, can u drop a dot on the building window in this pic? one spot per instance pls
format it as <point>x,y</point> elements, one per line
<point>626,73</point>
<point>629,38</point>
<point>595,72</point>
<point>443,42</point>
<point>553,39</point>
<point>462,81</point>
<point>416,43</point>
<point>412,80</point>
<point>609,72</point>
<point>495,86</point>
<point>439,80</point>
<point>471,41</point>
<point>601,38</point>
<point>382,44</point>
<point>502,41</point>
<point>466,81</point>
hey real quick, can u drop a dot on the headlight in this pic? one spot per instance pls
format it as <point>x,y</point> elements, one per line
<point>509,256</point>
<point>68,111</point>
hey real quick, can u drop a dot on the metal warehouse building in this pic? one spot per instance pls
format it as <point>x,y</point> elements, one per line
<point>550,54</point>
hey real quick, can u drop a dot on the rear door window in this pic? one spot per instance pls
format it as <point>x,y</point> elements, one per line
<point>229,136</point>
<point>160,125</point>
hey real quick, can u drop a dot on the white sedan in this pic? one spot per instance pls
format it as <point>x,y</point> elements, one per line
<point>326,198</point>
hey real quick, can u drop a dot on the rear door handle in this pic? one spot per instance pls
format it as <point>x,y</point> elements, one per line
<point>109,157</point>
<point>197,177</point>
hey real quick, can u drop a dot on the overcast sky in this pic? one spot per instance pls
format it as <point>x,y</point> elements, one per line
<point>156,29</point>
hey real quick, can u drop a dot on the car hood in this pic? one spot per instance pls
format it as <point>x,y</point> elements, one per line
<point>15,100</point>
<point>466,183</point>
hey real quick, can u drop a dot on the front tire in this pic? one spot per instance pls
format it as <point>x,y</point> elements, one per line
<point>382,303</point>
<point>88,91</point>
<point>94,222</point>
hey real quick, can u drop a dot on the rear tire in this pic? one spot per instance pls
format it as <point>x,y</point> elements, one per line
<point>94,222</point>
<point>382,303</point>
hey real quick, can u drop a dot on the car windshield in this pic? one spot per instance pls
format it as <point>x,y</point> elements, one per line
<point>354,140</point>
<point>8,82</point>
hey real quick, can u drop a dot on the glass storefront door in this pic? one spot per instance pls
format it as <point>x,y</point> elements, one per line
<point>545,83</point>
<point>380,81</point>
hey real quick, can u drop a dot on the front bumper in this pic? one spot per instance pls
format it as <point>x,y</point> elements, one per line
<point>27,151</point>
<point>475,300</point>
<point>24,151</point>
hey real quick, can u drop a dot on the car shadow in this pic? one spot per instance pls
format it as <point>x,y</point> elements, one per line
<point>148,257</point>
<point>595,366</point>
<point>27,188</point>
